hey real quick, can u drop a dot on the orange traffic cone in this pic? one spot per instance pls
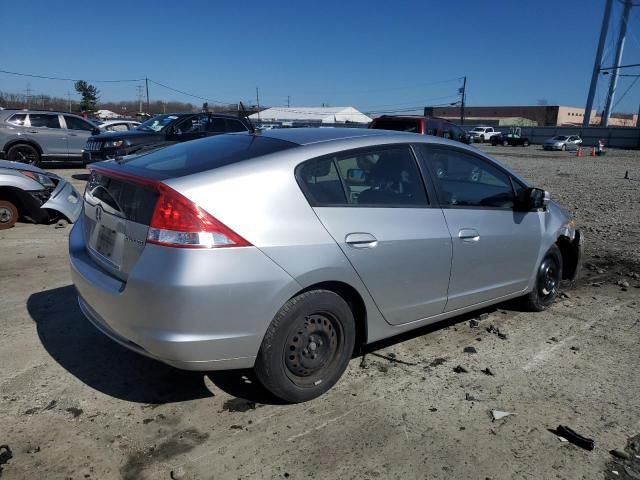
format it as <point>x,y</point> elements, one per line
<point>593,151</point>
<point>579,152</point>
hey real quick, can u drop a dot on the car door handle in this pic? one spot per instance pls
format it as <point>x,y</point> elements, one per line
<point>33,131</point>
<point>72,134</point>
<point>469,235</point>
<point>361,240</point>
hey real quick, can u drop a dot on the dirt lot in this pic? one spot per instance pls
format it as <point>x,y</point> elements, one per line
<point>76,405</point>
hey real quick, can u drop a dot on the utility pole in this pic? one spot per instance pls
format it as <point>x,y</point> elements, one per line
<point>288,101</point>
<point>622,34</point>
<point>597,64</point>
<point>146,81</point>
<point>139,95</point>
<point>462,92</point>
<point>28,96</point>
<point>69,100</point>
<point>258,101</point>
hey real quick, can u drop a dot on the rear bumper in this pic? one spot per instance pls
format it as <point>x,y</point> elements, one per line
<point>192,309</point>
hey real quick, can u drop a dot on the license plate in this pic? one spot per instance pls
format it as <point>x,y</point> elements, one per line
<point>106,241</point>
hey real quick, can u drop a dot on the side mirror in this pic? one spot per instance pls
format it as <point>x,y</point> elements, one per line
<point>356,175</point>
<point>532,199</point>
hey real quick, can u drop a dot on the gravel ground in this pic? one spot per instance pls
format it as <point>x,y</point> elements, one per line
<point>76,405</point>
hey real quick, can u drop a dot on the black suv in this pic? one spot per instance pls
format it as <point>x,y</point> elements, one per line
<point>160,131</point>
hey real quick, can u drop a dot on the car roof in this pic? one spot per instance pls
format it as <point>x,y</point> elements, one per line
<point>308,136</point>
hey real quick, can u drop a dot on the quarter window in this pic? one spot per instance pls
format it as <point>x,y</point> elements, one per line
<point>44,120</point>
<point>18,119</point>
<point>468,181</point>
<point>386,177</point>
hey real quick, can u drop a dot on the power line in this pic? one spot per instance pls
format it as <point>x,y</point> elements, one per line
<point>67,79</point>
<point>191,94</point>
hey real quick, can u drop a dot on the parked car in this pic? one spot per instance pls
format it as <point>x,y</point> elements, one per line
<point>161,131</point>
<point>30,136</point>
<point>563,142</point>
<point>482,134</point>
<point>513,138</point>
<point>118,125</point>
<point>438,127</point>
<point>35,195</point>
<point>288,250</point>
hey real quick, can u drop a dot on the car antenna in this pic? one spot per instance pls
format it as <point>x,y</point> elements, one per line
<point>246,117</point>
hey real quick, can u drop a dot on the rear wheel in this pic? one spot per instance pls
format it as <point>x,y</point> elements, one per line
<point>307,346</point>
<point>24,153</point>
<point>547,284</point>
<point>8,214</point>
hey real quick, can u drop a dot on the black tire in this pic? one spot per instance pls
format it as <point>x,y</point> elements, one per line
<point>8,214</point>
<point>481,138</point>
<point>24,153</point>
<point>547,284</point>
<point>307,346</point>
<point>564,147</point>
<point>525,143</point>
<point>505,143</point>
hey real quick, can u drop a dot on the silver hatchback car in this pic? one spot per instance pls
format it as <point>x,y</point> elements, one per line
<point>290,249</point>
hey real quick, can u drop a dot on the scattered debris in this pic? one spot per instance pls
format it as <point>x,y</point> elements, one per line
<point>238,405</point>
<point>574,437</point>
<point>460,369</point>
<point>564,295</point>
<point>575,349</point>
<point>488,371</point>
<point>554,339</point>
<point>363,362</point>
<point>473,323</point>
<point>5,455</point>
<point>496,331</point>
<point>178,474</point>
<point>470,350</point>
<point>437,362</point>
<point>483,316</point>
<point>499,414</point>
<point>382,368</point>
<point>433,409</point>
<point>51,404</point>
<point>471,398</point>
<point>622,283</point>
<point>76,412</point>
<point>236,427</point>
<point>626,175</point>
<point>61,224</point>
<point>392,358</point>
<point>621,454</point>
<point>41,256</point>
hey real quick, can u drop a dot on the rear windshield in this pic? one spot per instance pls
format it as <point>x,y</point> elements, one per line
<point>397,125</point>
<point>206,154</point>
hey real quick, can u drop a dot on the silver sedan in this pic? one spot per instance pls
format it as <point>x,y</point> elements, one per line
<point>563,142</point>
<point>288,250</point>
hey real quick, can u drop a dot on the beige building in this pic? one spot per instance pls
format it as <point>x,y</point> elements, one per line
<point>538,115</point>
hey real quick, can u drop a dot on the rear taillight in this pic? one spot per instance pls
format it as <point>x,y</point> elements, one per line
<point>178,222</point>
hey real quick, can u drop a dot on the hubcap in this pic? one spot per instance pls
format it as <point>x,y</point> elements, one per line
<point>5,215</point>
<point>25,155</point>
<point>311,346</point>
<point>548,278</point>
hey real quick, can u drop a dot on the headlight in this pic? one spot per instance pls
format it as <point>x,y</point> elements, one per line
<point>115,143</point>
<point>40,178</point>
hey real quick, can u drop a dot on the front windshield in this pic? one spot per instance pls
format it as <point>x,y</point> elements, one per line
<point>560,138</point>
<point>478,129</point>
<point>157,124</point>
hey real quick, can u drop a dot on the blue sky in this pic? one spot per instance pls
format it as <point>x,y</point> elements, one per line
<point>375,55</point>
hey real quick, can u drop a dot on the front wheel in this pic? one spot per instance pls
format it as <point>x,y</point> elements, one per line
<point>547,284</point>
<point>307,346</point>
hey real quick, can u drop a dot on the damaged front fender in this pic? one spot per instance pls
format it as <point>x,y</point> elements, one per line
<point>65,200</point>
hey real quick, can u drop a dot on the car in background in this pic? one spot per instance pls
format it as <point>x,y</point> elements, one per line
<point>482,134</point>
<point>159,132</point>
<point>291,249</point>
<point>35,195</point>
<point>563,142</point>
<point>438,127</point>
<point>514,138</point>
<point>118,125</point>
<point>30,136</point>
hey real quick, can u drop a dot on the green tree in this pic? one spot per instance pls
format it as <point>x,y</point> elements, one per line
<point>205,107</point>
<point>89,95</point>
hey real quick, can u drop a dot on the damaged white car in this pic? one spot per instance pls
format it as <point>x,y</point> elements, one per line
<point>35,195</point>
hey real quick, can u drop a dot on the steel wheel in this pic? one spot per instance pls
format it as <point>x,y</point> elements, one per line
<point>548,278</point>
<point>312,347</point>
<point>8,214</point>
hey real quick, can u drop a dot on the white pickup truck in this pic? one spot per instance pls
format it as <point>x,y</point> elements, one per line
<point>482,134</point>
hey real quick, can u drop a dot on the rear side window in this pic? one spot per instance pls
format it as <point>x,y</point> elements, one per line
<point>387,177</point>
<point>200,155</point>
<point>465,180</point>
<point>44,120</point>
<point>117,127</point>
<point>17,119</point>
<point>399,125</point>
<point>235,126</point>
